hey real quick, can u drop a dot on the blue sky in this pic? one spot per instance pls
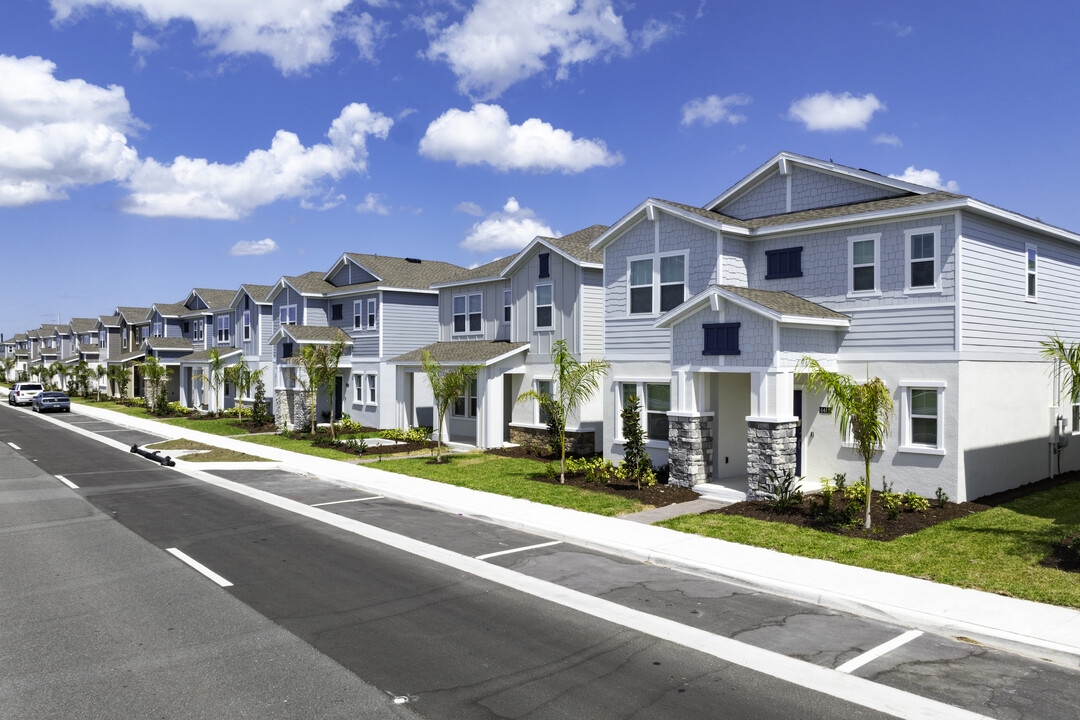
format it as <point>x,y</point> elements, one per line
<point>152,146</point>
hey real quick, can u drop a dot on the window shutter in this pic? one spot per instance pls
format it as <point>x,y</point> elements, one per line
<point>545,265</point>
<point>721,339</point>
<point>784,263</point>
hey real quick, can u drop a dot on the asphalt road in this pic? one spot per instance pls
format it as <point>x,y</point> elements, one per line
<point>320,621</point>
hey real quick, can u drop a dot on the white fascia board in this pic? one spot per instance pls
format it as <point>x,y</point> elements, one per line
<point>1020,221</point>
<point>520,258</point>
<point>701,299</point>
<point>334,268</point>
<point>862,218</point>
<point>652,205</point>
<point>382,288</point>
<point>815,322</point>
<point>462,283</point>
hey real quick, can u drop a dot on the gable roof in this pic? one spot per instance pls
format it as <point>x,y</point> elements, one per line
<point>168,343</point>
<point>779,306</point>
<point>409,273</point>
<point>82,325</point>
<point>133,315</point>
<point>461,352</point>
<point>575,247</point>
<point>108,321</point>
<point>311,335</point>
<point>168,310</point>
<point>259,293</point>
<point>214,299</point>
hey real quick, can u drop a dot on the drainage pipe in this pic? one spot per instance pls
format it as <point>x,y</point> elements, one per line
<point>155,456</point>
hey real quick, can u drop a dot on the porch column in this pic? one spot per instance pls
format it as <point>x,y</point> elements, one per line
<point>491,409</point>
<point>771,430</point>
<point>690,448</point>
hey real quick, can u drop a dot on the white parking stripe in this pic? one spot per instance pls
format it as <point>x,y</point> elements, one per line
<point>200,567</point>
<point>339,502</point>
<point>14,446</point>
<point>857,662</point>
<point>517,550</point>
<point>67,482</point>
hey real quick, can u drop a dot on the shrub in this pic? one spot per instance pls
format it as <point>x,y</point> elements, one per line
<point>138,402</point>
<point>635,463</point>
<point>892,502</point>
<point>260,411</point>
<point>942,497</point>
<point>782,492</point>
<point>915,502</point>
<point>596,470</point>
<point>856,493</point>
<point>839,481</point>
<point>642,476</point>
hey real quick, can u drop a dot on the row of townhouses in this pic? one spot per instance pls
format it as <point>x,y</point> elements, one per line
<point>703,312</point>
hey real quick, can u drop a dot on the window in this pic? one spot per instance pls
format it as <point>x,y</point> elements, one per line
<point>921,417</point>
<point>358,383</point>
<point>371,389</point>
<point>468,313</point>
<point>199,329</point>
<point>655,401</point>
<point>785,263</point>
<point>544,307</point>
<point>286,350</point>
<point>641,282</point>
<point>335,312</point>
<point>187,327</point>
<point>157,329</point>
<point>103,339</point>
<point>287,315</point>
<point>222,329</point>
<point>507,304</point>
<point>920,256</point>
<point>721,339</point>
<point>863,261</point>
<point>371,323</point>
<point>357,314</point>
<point>247,324</point>
<point>545,265</point>
<point>1032,269</point>
<point>543,416</point>
<point>672,281</point>
<point>467,401</point>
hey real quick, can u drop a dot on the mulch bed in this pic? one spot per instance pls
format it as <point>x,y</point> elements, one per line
<point>881,527</point>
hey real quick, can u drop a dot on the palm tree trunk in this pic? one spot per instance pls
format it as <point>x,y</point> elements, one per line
<point>866,525</point>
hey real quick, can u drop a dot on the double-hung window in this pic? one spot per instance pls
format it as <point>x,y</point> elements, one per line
<point>358,383</point>
<point>103,339</point>
<point>921,417</point>
<point>247,325</point>
<point>465,405</point>
<point>654,401</point>
<point>921,251</point>
<point>863,265</point>
<point>544,306</point>
<point>543,415</point>
<point>645,283</point>
<point>357,314</point>
<point>222,329</point>
<point>672,281</point>
<point>287,315</point>
<point>157,329</point>
<point>468,313</point>
<point>507,305</point>
<point>641,286</point>
<point>371,317</point>
<point>371,385</point>
<point>1032,255</point>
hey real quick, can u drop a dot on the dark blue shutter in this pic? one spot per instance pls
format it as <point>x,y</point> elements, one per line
<point>545,265</point>
<point>721,338</point>
<point>784,263</point>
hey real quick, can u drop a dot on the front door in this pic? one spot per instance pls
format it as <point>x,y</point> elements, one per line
<point>796,405</point>
<point>337,398</point>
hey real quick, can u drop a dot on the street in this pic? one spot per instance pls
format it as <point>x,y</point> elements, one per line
<point>338,603</point>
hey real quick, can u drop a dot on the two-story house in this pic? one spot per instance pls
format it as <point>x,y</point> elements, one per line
<point>708,311</point>
<point>208,324</point>
<point>504,318</point>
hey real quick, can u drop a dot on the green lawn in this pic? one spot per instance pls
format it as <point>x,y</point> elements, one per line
<point>997,550</point>
<point>299,446</point>
<point>508,476</point>
<point>215,426</point>
<point>209,454</point>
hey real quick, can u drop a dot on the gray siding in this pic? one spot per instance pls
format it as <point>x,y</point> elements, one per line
<point>266,331</point>
<point>767,197</point>
<point>565,278</point>
<point>409,321</point>
<point>901,328</point>
<point>316,313</point>
<point>755,339</point>
<point>286,296</point>
<point>592,313</point>
<point>809,340</point>
<point>996,314</point>
<point>813,189</point>
<point>734,263</point>
<point>491,311</point>
<point>626,337</point>
<point>351,274</point>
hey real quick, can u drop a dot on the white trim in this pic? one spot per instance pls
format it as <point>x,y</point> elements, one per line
<point>907,445</point>
<point>876,290</point>
<point>958,282</point>
<point>536,307</point>
<point>713,293</point>
<point>657,259</point>
<point>1030,274</point>
<point>934,259</point>
<point>468,312</point>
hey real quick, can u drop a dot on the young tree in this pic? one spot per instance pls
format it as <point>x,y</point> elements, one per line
<point>1068,357</point>
<point>118,374</point>
<point>572,383</point>
<point>56,370</point>
<point>635,457</point>
<point>7,364</point>
<point>866,409</point>
<point>101,372</point>
<point>260,412</point>
<point>243,378</point>
<point>214,377</point>
<point>156,375</point>
<point>446,386</point>
<point>320,368</point>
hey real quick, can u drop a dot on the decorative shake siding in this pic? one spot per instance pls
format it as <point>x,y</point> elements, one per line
<point>630,337</point>
<point>351,274</point>
<point>409,321</point>
<point>755,339</point>
<point>813,189</point>
<point>767,197</point>
<point>996,314</point>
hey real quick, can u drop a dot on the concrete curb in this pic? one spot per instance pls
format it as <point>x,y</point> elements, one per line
<point>1034,629</point>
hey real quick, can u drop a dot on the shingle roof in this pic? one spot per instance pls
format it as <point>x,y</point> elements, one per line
<point>784,302</point>
<point>49,329</point>
<point>128,357</point>
<point>32,334</point>
<point>463,351</point>
<point>168,343</point>
<point>576,244</point>
<point>109,320</point>
<point>310,282</point>
<point>171,309</point>
<point>406,272</point>
<point>134,314</point>
<point>203,356</point>
<point>216,299</point>
<point>81,325</point>
<point>20,337</point>
<point>311,333</point>
<point>261,293</point>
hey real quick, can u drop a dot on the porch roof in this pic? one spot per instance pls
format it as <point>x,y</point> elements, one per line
<point>128,358</point>
<point>203,356</point>
<point>311,335</point>
<point>462,352</point>
<point>782,307</point>
<point>168,343</point>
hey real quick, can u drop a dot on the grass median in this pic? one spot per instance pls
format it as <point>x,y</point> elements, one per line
<point>998,550</point>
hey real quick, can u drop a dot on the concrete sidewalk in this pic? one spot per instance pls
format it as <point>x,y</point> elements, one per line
<point>1034,629</point>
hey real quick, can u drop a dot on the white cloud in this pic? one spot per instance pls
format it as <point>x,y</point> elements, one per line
<point>253,247</point>
<point>373,203</point>
<point>295,34</point>
<point>58,134</point>
<point>826,111</point>
<point>895,27</point>
<point>653,32</point>
<point>927,178</point>
<point>195,187</point>
<point>714,109</point>
<point>366,33</point>
<point>888,139</point>
<point>500,42</point>
<point>484,135</point>
<point>469,208</point>
<point>511,229</point>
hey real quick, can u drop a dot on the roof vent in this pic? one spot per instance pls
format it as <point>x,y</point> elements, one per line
<point>414,260</point>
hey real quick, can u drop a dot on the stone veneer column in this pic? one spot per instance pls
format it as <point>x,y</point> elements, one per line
<point>769,446</point>
<point>690,449</point>
<point>290,409</point>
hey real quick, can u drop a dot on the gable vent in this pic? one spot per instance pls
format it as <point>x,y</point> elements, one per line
<point>414,260</point>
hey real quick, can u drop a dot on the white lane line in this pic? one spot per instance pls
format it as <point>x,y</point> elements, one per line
<point>517,550</point>
<point>339,502</point>
<point>14,446</point>
<point>67,482</point>
<point>857,662</point>
<point>200,567</point>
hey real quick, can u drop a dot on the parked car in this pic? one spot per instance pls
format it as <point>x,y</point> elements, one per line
<point>23,393</point>
<point>51,400</point>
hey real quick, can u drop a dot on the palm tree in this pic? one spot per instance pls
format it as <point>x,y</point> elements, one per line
<point>243,378</point>
<point>154,373</point>
<point>215,376</point>
<point>864,409</point>
<point>57,369</point>
<point>81,372</point>
<point>572,384</point>
<point>7,364</point>
<point>320,367</point>
<point>100,373</point>
<point>1054,348</point>
<point>446,386</point>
